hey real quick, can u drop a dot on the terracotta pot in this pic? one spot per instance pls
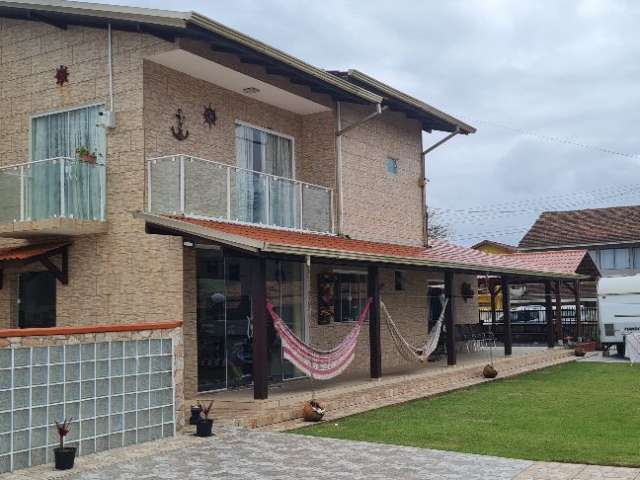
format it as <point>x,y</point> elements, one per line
<point>489,372</point>
<point>310,414</point>
<point>579,352</point>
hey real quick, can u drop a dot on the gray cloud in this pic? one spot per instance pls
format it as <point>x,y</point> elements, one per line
<point>567,69</point>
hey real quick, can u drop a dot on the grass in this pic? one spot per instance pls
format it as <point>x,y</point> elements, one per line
<point>578,412</point>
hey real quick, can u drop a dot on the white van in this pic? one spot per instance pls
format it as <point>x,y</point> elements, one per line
<point>619,308</point>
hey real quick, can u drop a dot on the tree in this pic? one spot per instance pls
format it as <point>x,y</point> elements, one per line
<point>435,229</point>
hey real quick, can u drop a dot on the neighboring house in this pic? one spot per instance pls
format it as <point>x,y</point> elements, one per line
<point>611,235</point>
<point>164,173</point>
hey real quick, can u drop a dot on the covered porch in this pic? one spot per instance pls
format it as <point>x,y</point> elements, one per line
<point>401,275</point>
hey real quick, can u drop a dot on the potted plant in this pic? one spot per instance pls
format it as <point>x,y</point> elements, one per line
<point>489,371</point>
<point>579,352</point>
<point>205,424</point>
<point>65,456</point>
<point>312,411</point>
<point>85,155</point>
<point>196,410</point>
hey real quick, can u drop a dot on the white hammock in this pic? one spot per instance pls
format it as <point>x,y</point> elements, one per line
<point>316,363</point>
<point>408,351</point>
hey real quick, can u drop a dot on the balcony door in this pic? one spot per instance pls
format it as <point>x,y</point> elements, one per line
<point>60,135</point>
<point>263,192</point>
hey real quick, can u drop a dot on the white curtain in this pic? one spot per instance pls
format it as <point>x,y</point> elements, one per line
<point>264,152</point>
<point>59,135</point>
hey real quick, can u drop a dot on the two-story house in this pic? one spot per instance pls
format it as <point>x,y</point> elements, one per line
<point>159,166</point>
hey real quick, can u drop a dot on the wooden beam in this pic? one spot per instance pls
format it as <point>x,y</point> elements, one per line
<point>549,313</point>
<point>559,329</point>
<point>493,294</point>
<point>260,331</point>
<point>62,273</point>
<point>578,327</point>
<point>448,318</point>
<point>506,315</point>
<point>375,339</point>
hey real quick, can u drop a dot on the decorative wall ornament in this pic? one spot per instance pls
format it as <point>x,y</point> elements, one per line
<point>62,75</point>
<point>179,133</point>
<point>466,291</point>
<point>209,116</point>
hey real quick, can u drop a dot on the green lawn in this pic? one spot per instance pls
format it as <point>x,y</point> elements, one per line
<point>578,412</point>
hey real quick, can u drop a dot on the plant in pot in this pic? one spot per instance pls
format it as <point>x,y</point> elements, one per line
<point>489,371</point>
<point>65,456</point>
<point>312,411</point>
<point>205,424</point>
<point>196,410</point>
<point>85,155</point>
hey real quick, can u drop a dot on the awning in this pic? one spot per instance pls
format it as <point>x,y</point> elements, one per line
<point>439,255</point>
<point>41,252</point>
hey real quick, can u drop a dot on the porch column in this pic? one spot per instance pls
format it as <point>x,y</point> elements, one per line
<point>375,342</point>
<point>549,313</point>
<point>576,291</point>
<point>492,294</point>
<point>506,315</point>
<point>260,328</point>
<point>448,318</point>
<point>559,328</point>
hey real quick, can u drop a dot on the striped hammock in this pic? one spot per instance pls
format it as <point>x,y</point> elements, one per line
<point>316,363</point>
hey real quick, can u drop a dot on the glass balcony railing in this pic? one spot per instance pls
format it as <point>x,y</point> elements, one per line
<point>185,185</point>
<point>52,188</point>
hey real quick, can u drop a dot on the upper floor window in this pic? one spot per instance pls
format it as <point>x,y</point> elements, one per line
<point>616,258</point>
<point>261,198</point>
<point>64,134</point>
<point>392,166</point>
<point>352,296</point>
<point>264,151</point>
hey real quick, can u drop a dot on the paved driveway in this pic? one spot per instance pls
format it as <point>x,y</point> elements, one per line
<point>243,454</point>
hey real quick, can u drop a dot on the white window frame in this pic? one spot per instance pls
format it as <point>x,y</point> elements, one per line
<point>277,134</point>
<point>56,112</point>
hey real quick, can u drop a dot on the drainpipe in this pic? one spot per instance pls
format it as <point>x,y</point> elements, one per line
<point>423,181</point>
<point>339,132</point>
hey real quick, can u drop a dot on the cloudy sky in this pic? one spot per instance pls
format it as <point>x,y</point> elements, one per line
<point>521,72</point>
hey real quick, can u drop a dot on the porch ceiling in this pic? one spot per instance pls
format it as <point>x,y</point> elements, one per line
<point>204,69</point>
<point>440,255</point>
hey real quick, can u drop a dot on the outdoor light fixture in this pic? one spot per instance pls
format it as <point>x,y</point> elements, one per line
<point>251,90</point>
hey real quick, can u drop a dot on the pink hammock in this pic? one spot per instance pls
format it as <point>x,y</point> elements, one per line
<point>318,364</point>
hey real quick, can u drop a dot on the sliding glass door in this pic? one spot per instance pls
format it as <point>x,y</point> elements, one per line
<point>260,196</point>
<point>225,317</point>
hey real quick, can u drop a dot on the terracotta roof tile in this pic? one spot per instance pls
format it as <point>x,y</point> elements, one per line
<point>440,252</point>
<point>24,252</point>
<point>584,227</point>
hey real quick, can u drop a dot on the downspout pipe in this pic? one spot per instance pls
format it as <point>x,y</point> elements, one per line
<point>339,132</point>
<point>423,181</point>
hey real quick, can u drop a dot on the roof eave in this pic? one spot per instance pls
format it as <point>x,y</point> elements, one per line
<point>409,100</point>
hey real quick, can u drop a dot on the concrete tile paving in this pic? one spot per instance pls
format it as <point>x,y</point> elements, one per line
<point>247,455</point>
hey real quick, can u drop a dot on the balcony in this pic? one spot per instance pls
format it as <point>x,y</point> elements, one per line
<point>57,196</point>
<point>194,187</point>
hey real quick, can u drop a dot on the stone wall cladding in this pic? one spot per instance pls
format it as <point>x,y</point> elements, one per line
<point>104,269</point>
<point>408,308</point>
<point>377,205</point>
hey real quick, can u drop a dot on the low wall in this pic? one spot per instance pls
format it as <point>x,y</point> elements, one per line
<point>122,384</point>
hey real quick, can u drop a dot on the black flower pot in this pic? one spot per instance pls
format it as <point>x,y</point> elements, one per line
<point>65,457</point>
<point>195,415</point>
<point>203,427</point>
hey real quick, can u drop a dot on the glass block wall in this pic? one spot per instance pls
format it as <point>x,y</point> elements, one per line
<point>119,393</point>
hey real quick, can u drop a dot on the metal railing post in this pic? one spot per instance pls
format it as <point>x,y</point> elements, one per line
<point>182,190</point>
<point>268,200</point>
<point>332,212</point>
<point>300,206</point>
<point>149,186</point>
<point>63,203</point>
<point>228,193</point>
<point>22,198</point>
